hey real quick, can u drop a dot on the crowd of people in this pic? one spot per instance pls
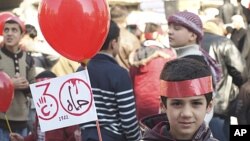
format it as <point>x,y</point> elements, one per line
<point>143,88</point>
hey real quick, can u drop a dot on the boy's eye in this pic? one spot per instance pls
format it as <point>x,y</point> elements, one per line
<point>176,103</point>
<point>177,27</point>
<point>6,30</point>
<point>14,30</point>
<point>197,103</point>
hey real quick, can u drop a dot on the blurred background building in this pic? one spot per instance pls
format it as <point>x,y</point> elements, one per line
<point>155,5</point>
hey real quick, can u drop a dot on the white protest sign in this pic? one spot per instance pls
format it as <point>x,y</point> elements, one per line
<point>64,101</point>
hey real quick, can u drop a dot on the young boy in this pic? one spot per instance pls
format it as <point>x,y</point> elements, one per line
<point>113,95</point>
<point>19,66</point>
<point>186,97</point>
<point>185,35</point>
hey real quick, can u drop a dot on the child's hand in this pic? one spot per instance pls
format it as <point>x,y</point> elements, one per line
<point>77,134</point>
<point>20,82</point>
<point>16,137</point>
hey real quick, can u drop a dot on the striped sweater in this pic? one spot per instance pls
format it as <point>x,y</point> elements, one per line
<point>113,95</point>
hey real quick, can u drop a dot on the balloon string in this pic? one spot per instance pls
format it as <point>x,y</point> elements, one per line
<point>8,124</point>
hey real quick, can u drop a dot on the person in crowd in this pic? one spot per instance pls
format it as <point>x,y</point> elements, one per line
<point>41,62</point>
<point>239,32</point>
<point>245,88</point>
<point>233,77</point>
<point>147,63</point>
<point>186,97</point>
<point>128,42</point>
<point>243,11</point>
<point>113,95</point>
<point>62,134</point>
<point>185,35</point>
<point>42,59</point>
<point>226,11</point>
<point>19,65</point>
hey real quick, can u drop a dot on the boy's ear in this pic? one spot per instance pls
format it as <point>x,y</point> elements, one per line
<point>193,36</point>
<point>210,106</point>
<point>113,42</point>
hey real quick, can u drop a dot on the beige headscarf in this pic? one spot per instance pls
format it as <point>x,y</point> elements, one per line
<point>212,27</point>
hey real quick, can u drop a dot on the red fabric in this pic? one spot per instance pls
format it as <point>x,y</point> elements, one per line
<point>62,134</point>
<point>147,85</point>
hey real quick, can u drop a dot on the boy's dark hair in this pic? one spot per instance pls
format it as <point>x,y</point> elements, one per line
<point>46,74</point>
<point>185,69</point>
<point>16,20</point>
<point>31,30</point>
<point>114,32</point>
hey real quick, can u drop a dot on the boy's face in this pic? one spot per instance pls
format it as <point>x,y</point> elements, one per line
<point>12,34</point>
<point>186,115</point>
<point>180,36</point>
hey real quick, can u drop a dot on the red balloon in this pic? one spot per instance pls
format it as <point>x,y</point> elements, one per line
<point>4,16</point>
<point>6,91</point>
<point>74,28</point>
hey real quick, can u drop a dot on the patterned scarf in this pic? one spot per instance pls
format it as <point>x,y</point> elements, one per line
<point>213,64</point>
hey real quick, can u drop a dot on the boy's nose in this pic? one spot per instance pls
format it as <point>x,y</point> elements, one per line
<point>186,111</point>
<point>170,31</point>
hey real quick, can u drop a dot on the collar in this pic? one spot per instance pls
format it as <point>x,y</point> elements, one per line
<point>12,55</point>
<point>188,50</point>
<point>202,133</point>
<point>105,53</point>
<point>104,56</point>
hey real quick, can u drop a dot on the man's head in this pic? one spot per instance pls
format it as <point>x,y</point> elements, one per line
<point>44,75</point>
<point>16,20</point>
<point>13,31</point>
<point>119,14</point>
<point>152,31</point>
<point>238,22</point>
<point>111,43</point>
<point>188,20</point>
<point>186,95</point>
<point>31,31</point>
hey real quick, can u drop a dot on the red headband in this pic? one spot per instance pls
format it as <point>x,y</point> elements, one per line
<point>187,88</point>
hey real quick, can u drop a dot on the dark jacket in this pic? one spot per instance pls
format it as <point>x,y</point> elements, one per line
<point>156,128</point>
<point>238,36</point>
<point>233,66</point>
